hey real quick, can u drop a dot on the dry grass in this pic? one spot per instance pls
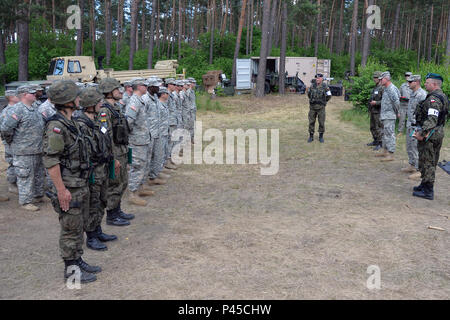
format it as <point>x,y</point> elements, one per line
<point>226,232</point>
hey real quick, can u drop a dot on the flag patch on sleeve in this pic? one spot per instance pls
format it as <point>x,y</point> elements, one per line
<point>56,130</point>
<point>133,108</point>
<point>15,117</point>
<point>103,114</point>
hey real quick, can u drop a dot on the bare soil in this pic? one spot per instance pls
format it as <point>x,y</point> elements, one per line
<point>226,232</point>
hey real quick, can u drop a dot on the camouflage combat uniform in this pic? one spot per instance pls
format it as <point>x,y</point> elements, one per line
<point>389,108</point>
<point>430,116</point>
<point>139,139</point>
<point>405,93</point>
<point>65,145</point>
<point>173,119</point>
<point>318,98</point>
<point>193,112</point>
<point>112,119</point>
<point>25,127</point>
<point>47,109</point>
<point>415,98</point>
<point>10,172</point>
<point>156,120</point>
<point>376,127</point>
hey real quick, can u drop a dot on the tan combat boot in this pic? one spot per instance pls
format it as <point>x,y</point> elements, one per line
<point>158,181</point>
<point>3,198</point>
<point>388,157</point>
<point>171,166</point>
<point>409,169</point>
<point>136,200</point>
<point>383,153</point>
<point>164,176</point>
<point>415,176</point>
<point>30,207</point>
<point>145,192</point>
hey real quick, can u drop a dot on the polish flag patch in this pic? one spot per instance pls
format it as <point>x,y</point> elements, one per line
<point>56,130</point>
<point>103,114</point>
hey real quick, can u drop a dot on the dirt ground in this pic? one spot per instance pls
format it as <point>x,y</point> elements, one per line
<point>226,232</point>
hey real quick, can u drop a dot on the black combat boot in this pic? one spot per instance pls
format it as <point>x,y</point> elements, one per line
<point>103,236</point>
<point>92,242</point>
<point>378,146</point>
<point>311,137</point>
<point>88,268</point>
<point>372,144</point>
<point>113,219</point>
<point>427,192</point>
<point>419,187</point>
<point>321,138</point>
<point>85,277</point>
<point>125,216</point>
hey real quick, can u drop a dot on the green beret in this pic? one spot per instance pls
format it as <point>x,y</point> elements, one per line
<point>434,76</point>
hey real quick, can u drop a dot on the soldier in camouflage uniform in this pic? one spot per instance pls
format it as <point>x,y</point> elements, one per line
<point>23,129</point>
<point>193,105</point>
<point>11,97</point>
<point>389,110</point>
<point>66,158</point>
<point>172,105</point>
<point>112,119</point>
<point>431,115</point>
<point>137,117</point>
<point>319,94</point>
<point>405,93</point>
<point>100,145</point>
<point>416,97</point>
<point>39,93</point>
<point>128,92</point>
<point>376,127</point>
<point>47,108</point>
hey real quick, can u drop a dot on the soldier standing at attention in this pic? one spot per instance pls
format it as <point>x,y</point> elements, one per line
<point>113,120</point>
<point>22,129</point>
<point>140,138</point>
<point>128,92</point>
<point>66,158</point>
<point>376,127</point>
<point>416,97</point>
<point>319,94</point>
<point>100,156</point>
<point>173,120</point>
<point>11,97</point>
<point>389,110</point>
<point>47,109</point>
<point>430,120</point>
<point>193,105</point>
<point>405,93</point>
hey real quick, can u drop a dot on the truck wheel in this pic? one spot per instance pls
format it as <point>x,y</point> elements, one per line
<point>266,88</point>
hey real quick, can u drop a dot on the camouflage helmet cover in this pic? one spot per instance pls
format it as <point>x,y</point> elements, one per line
<point>63,92</point>
<point>108,85</point>
<point>90,97</point>
<point>377,74</point>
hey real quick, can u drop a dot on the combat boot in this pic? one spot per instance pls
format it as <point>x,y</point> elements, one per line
<point>388,157</point>
<point>381,154</point>
<point>311,137</point>
<point>372,144</point>
<point>171,166</point>
<point>113,219</point>
<point>4,198</point>
<point>136,200</point>
<point>85,277</point>
<point>321,138</point>
<point>378,146</point>
<point>427,192</point>
<point>158,181</point>
<point>415,176</point>
<point>103,236</point>
<point>30,207</point>
<point>409,169</point>
<point>92,242</point>
<point>88,268</point>
<point>419,187</point>
<point>125,216</point>
<point>164,176</point>
<point>145,192</point>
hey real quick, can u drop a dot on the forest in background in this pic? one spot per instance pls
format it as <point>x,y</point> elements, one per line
<point>202,34</point>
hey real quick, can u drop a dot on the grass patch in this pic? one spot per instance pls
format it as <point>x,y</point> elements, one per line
<point>357,117</point>
<point>205,103</point>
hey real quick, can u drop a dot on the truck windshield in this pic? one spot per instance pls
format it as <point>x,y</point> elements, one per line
<point>56,68</point>
<point>73,66</point>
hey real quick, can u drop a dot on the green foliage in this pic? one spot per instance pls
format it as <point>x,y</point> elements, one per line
<point>205,103</point>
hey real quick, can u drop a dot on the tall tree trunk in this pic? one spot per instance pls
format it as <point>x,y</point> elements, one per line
<point>153,16</point>
<point>143,24</point>
<point>447,50</point>
<point>2,58</point>
<point>180,28</point>
<point>271,26</point>
<point>211,41</point>
<point>224,22</point>
<point>238,42</point>
<point>119,26</point>
<point>23,35</point>
<point>261,79</point>
<point>419,42</point>
<point>284,19</point>
<point>430,34</point>
<point>366,41</point>
<point>53,16</point>
<point>330,26</point>
<point>134,17</point>
<point>316,40</point>
<point>247,37</point>
<point>92,25</point>
<point>158,30</point>
<point>252,22</point>
<point>395,31</point>
<point>79,45</point>
<point>341,24</point>
<point>108,31</point>
<point>353,37</point>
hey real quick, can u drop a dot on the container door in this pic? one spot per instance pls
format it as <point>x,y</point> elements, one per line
<point>243,74</point>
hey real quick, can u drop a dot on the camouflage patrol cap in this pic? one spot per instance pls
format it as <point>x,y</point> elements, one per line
<point>408,74</point>
<point>384,75</point>
<point>179,83</point>
<point>37,87</point>
<point>139,82</point>
<point>25,89</point>
<point>170,81</point>
<point>377,74</point>
<point>108,85</point>
<point>414,78</point>
<point>163,90</point>
<point>10,93</point>
<point>90,97</point>
<point>154,82</point>
<point>127,84</point>
<point>63,92</point>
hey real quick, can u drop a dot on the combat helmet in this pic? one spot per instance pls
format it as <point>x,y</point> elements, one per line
<point>107,85</point>
<point>90,97</point>
<point>63,92</point>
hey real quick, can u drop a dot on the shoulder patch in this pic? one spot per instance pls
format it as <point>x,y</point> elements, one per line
<point>56,130</point>
<point>15,117</point>
<point>103,114</point>
<point>432,100</point>
<point>133,108</point>
<point>433,112</point>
